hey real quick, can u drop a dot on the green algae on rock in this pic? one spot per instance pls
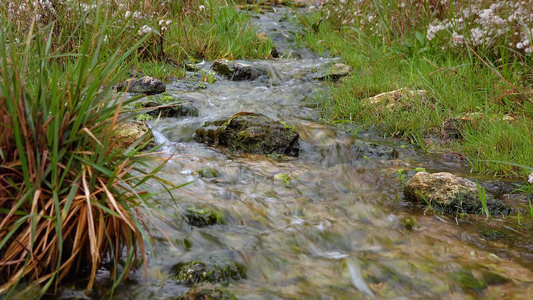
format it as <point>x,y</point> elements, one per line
<point>168,105</point>
<point>196,271</point>
<point>201,217</point>
<point>207,291</point>
<point>250,133</point>
<point>206,173</point>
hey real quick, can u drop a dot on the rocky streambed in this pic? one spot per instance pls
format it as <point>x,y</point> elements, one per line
<point>282,205</point>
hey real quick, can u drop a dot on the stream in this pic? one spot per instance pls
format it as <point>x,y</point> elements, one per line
<point>336,225</point>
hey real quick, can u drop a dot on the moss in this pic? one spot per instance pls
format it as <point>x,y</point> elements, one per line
<point>163,98</point>
<point>197,271</point>
<point>207,291</point>
<point>144,117</point>
<point>492,234</point>
<point>287,125</point>
<point>201,217</point>
<point>283,177</point>
<point>207,173</point>
<point>408,222</point>
<point>467,281</point>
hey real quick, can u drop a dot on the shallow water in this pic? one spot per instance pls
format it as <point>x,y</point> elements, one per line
<point>336,229</point>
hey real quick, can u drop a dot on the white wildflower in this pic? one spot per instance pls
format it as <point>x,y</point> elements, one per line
<point>432,31</point>
<point>477,36</point>
<point>201,7</point>
<point>128,14</point>
<point>169,22</point>
<point>519,46</point>
<point>530,178</point>
<point>144,30</point>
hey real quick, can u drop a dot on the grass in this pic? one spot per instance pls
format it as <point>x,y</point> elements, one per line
<point>70,199</point>
<point>484,88</point>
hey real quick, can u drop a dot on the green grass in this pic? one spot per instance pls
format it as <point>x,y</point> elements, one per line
<point>69,197</point>
<point>490,87</point>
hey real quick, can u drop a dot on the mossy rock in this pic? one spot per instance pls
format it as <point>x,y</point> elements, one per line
<point>197,272</point>
<point>127,134</point>
<point>201,217</point>
<point>250,133</point>
<point>237,71</point>
<point>207,291</point>
<point>206,173</point>
<point>145,85</point>
<point>168,105</point>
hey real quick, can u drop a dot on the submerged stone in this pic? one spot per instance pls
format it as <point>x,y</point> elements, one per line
<point>467,281</point>
<point>197,272</point>
<point>200,217</point>
<point>237,71</point>
<point>250,133</point>
<point>207,291</point>
<point>206,173</point>
<point>450,193</point>
<point>144,85</point>
<point>373,150</point>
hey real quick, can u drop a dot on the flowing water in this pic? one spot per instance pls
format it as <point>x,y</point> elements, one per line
<point>336,227</point>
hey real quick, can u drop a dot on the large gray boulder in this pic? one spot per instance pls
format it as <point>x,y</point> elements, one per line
<point>237,71</point>
<point>144,85</point>
<point>250,133</point>
<point>450,193</point>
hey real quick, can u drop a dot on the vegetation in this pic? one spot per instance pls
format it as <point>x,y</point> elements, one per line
<point>470,60</point>
<point>70,199</point>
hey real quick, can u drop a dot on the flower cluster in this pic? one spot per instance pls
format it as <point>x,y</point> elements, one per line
<point>482,24</point>
<point>479,23</point>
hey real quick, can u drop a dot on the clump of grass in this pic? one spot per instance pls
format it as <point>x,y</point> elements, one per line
<point>69,198</point>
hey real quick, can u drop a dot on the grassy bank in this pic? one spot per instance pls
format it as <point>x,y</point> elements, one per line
<point>473,59</point>
<point>70,199</point>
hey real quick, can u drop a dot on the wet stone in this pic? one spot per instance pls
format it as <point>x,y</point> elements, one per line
<point>237,71</point>
<point>250,133</point>
<point>333,73</point>
<point>206,173</point>
<point>196,272</point>
<point>373,150</point>
<point>144,85</point>
<point>165,105</point>
<point>450,193</point>
<point>467,281</point>
<point>207,291</point>
<point>200,217</point>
